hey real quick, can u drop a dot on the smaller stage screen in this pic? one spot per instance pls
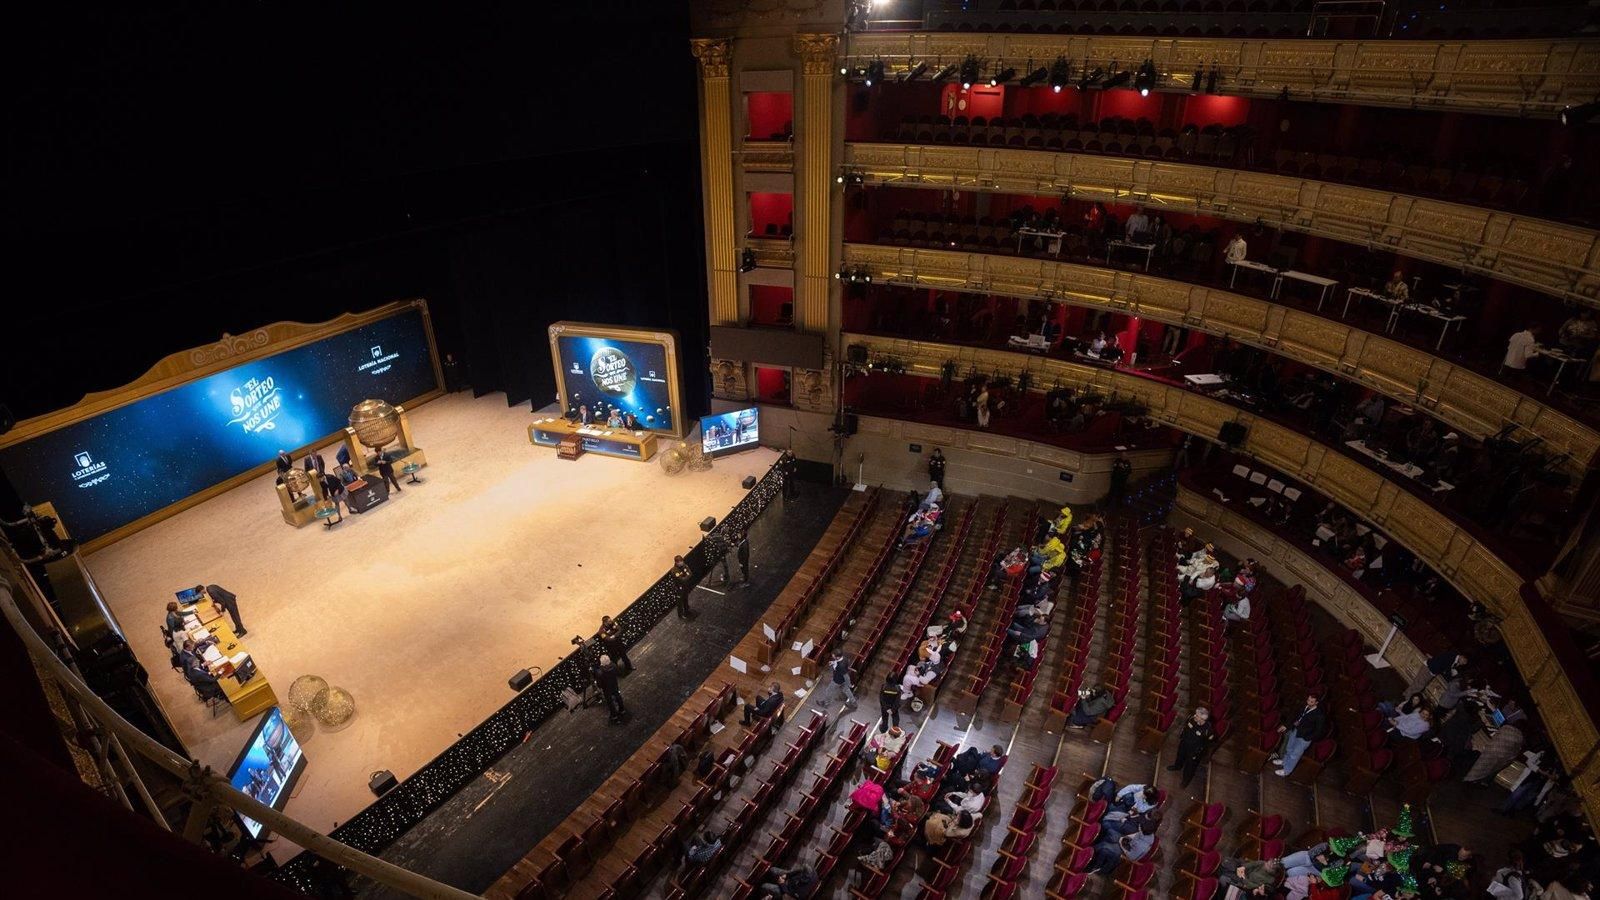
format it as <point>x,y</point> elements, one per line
<point>730,431</point>
<point>603,374</point>
<point>268,767</point>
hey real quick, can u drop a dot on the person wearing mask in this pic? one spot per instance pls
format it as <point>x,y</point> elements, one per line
<point>1307,727</point>
<point>889,697</point>
<point>886,746</point>
<point>936,468</point>
<point>839,674</point>
<point>1193,743</point>
<point>614,418</point>
<point>763,705</point>
<point>683,583</point>
<point>1397,289</point>
<point>228,602</point>
<point>1049,556</point>
<point>1523,346</point>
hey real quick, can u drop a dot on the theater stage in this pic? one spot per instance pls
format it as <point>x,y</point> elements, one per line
<point>424,606</point>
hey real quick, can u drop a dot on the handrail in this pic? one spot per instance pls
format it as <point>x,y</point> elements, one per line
<point>210,788</point>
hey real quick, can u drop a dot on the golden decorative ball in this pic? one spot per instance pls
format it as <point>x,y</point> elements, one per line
<point>375,422</point>
<point>333,707</point>
<point>297,480</point>
<point>305,690</point>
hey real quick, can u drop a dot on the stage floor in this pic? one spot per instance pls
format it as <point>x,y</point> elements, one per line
<point>423,607</point>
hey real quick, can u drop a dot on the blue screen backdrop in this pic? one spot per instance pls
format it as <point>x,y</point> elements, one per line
<point>604,372</point>
<point>107,471</point>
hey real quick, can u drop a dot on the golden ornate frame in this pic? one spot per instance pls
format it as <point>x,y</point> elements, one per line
<point>185,366</point>
<point>666,338</point>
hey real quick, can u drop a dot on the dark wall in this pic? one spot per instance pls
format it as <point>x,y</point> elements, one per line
<point>177,175</point>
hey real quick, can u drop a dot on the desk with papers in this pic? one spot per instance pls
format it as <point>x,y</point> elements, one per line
<point>553,431</point>
<point>248,698</point>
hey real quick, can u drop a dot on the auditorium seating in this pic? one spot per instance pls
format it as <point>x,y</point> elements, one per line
<point>812,661</point>
<point>966,701</point>
<point>1121,626</point>
<point>1022,833</point>
<point>1077,637</point>
<point>798,610</point>
<point>989,550</point>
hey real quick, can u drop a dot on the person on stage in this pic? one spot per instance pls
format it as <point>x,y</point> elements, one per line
<point>386,469</point>
<point>229,602</point>
<point>605,676</point>
<point>611,641</point>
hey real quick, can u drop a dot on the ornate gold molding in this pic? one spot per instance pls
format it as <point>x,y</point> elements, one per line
<point>1471,403</point>
<point>1449,549</point>
<point>713,54</point>
<point>1516,77</point>
<point>1552,257</point>
<point>818,52</point>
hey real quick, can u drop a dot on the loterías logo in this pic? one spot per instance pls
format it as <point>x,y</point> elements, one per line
<point>379,363</point>
<point>89,473</point>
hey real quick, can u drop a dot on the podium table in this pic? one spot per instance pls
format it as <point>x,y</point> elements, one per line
<point>365,493</point>
<point>573,439</point>
<point>247,699</point>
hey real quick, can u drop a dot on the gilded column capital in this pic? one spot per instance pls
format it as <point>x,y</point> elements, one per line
<point>818,52</point>
<point>713,54</point>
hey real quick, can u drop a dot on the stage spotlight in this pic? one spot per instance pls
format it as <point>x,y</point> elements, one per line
<point>874,72</point>
<point>747,260</point>
<point>1001,77</point>
<point>1091,79</point>
<point>1581,114</point>
<point>918,71</point>
<point>945,74</point>
<point>1146,78</point>
<point>1034,77</point>
<point>969,72</point>
<point>1060,74</point>
<point>1117,79</point>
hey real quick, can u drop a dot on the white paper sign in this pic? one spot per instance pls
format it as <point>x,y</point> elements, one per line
<point>807,647</point>
<point>767,630</point>
<point>738,664</point>
<point>795,671</point>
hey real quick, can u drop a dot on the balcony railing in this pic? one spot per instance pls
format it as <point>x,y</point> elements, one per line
<point>1469,402</point>
<point>1557,259</point>
<point>1518,77</point>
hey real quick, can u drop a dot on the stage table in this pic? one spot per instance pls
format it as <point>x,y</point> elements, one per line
<point>251,698</point>
<point>1364,294</point>
<point>1326,284</point>
<point>1053,237</point>
<point>1148,249</point>
<point>1409,470</point>
<point>363,494</point>
<point>1428,312</point>
<point>552,431</point>
<point>1277,277</point>
<point>1562,358</point>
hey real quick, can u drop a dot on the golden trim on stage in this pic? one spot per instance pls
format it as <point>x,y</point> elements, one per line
<point>185,366</point>
<point>668,340</point>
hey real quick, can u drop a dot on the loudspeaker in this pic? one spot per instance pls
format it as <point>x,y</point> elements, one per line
<point>1231,434</point>
<point>707,524</point>
<point>851,423</point>
<point>748,482</point>
<point>520,681</point>
<point>856,354</point>
<point>382,782</point>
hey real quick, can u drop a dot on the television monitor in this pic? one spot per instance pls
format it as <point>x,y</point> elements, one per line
<point>268,767</point>
<point>730,431</point>
<point>190,595</point>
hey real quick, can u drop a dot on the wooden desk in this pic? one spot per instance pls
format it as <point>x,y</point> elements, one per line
<point>252,698</point>
<point>552,432</point>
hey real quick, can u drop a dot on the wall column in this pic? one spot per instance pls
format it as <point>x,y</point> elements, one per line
<point>716,174</point>
<point>819,57</point>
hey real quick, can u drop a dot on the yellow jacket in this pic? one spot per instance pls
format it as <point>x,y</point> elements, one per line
<point>1063,521</point>
<point>1053,552</point>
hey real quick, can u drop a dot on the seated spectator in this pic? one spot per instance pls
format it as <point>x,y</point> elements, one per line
<point>1238,610</point>
<point>764,705</point>
<point>969,799</point>
<point>1007,566</point>
<point>1136,797</point>
<point>1255,877</point>
<point>1048,557</point>
<point>941,828</point>
<point>795,881</point>
<point>1109,851</point>
<point>886,746</point>
<point>702,848</point>
<point>1092,704</point>
<point>1411,720</point>
<point>915,677</point>
<point>989,764</point>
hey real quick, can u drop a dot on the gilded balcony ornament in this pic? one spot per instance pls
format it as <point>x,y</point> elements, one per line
<point>818,53</point>
<point>713,54</point>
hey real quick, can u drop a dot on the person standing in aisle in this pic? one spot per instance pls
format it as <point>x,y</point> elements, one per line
<point>839,672</point>
<point>889,703</point>
<point>683,580</point>
<point>741,547</point>
<point>605,676</point>
<point>1197,737</point>
<point>936,468</point>
<point>1120,470</point>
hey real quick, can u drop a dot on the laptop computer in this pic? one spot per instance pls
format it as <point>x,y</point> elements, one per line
<point>190,595</point>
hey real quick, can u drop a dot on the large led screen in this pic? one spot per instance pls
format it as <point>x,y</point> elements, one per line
<point>604,372</point>
<point>104,472</point>
<point>268,766</point>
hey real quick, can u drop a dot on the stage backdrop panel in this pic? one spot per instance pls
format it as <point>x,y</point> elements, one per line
<point>116,467</point>
<point>634,369</point>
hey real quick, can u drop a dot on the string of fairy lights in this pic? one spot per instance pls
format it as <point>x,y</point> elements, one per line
<point>391,815</point>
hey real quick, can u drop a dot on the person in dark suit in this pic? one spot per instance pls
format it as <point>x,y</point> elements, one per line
<point>683,581</point>
<point>386,469</point>
<point>204,682</point>
<point>936,468</point>
<point>741,547</point>
<point>611,641</point>
<point>584,416</point>
<point>315,463</point>
<point>605,676</point>
<point>1306,729</point>
<point>285,463</point>
<point>1197,737</point>
<point>763,705</point>
<point>229,602</point>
